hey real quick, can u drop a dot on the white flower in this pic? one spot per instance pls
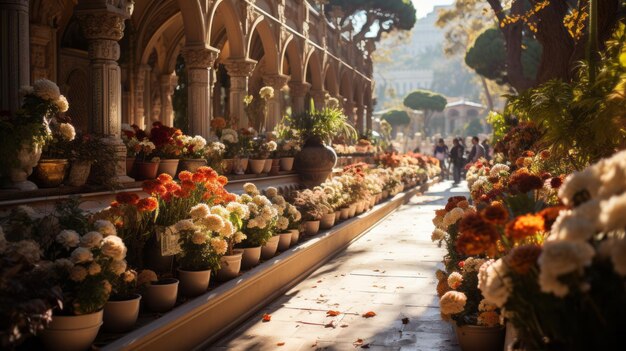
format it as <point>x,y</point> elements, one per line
<point>472,264</point>
<point>228,138</point>
<point>437,235</point>
<point>118,267</point>
<point>578,183</point>
<point>81,255</point>
<point>46,89</point>
<point>618,256</point>
<point>198,143</point>
<point>271,145</point>
<point>28,249</point>
<point>68,238</point>
<point>613,213</point>
<point>454,280</point>
<point>185,225</point>
<point>266,93</point>
<point>67,131</point>
<point>29,211</point>
<point>271,192</point>
<point>452,302</point>
<point>94,268</point>
<point>62,104</point>
<point>227,230</point>
<point>452,217</point>
<point>63,264</point>
<point>105,227</point>
<point>113,246</point>
<point>239,237</point>
<point>497,169</point>
<point>571,226</point>
<point>250,189</point>
<point>485,306</point>
<point>562,257</point>
<point>494,283</point>
<point>78,273</point>
<point>219,245</point>
<point>213,222</point>
<point>199,211</point>
<point>220,211</point>
<point>91,240</point>
<point>282,223</point>
<point>199,237</point>
<point>238,209</point>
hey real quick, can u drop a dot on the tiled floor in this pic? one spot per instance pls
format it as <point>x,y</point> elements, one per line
<point>389,271</point>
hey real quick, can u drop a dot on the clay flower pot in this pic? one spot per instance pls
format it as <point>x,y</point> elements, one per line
<point>311,227</point>
<point>191,164</point>
<point>257,166</point>
<point>240,165</point>
<point>286,164</point>
<point>327,221</point>
<point>284,241</point>
<point>72,333</point>
<point>480,338</point>
<point>230,265</point>
<point>352,210</point>
<point>193,283</point>
<point>121,315</point>
<point>130,166</point>
<point>269,249</point>
<point>267,167</point>
<point>168,166</point>
<point>79,173</point>
<point>160,296</point>
<point>345,213</point>
<point>251,257</point>
<point>360,207</point>
<point>295,235</point>
<point>227,166</point>
<point>50,173</point>
<point>337,216</point>
<point>146,170</point>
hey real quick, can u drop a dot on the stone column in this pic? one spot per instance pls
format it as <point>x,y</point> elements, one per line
<point>297,92</point>
<point>168,83</point>
<point>239,72</point>
<point>369,114</point>
<point>103,27</point>
<point>319,98</point>
<point>40,39</point>
<point>348,110</point>
<point>360,119</point>
<point>140,91</point>
<point>199,61</point>
<point>274,104</point>
<point>14,52</point>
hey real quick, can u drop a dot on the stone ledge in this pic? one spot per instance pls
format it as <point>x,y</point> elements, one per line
<point>204,319</point>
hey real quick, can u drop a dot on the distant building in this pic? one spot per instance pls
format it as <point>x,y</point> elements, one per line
<point>458,114</point>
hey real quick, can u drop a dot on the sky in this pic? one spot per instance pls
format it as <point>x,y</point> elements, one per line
<point>423,7</point>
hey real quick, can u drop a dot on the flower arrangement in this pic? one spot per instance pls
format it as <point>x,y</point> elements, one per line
<point>262,148</point>
<point>192,147</point>
<point>230,139</point>
<point>289,142</point>
<point>166,141</point>
<point>260,224</point>
<point>288,215</point>
<point>312,204</point>
<point>334,194</point>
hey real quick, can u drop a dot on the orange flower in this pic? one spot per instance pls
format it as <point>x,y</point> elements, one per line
<point>148,204</point>
<point>522,258</point>
<point>556,182</point>
<point>208,172</point>
<point>222,180</point>
<point>549,215</point>
<point>185,175</point>
<point>218,123</point>
<point>523,181</point>
<point>182,193</point>
<point>164,178</point>
<point>476,236</point>
<point>545,154</point>
<point>172,187</point>
<point>453,201</point>
<point>127,198</point>
<point>495,213</point>
<point>441,212</point>
<point>525,226</point>
<point>188,185</point>
<point>198,177</point>
<point>154,187</point>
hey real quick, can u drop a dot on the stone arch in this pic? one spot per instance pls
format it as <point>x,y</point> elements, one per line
<point>292,57</point>
<point>345,85</point>
<point>195,25</point>
<point>175,27</point>
<point>330,79</point>
<point>262,30</point>
<point>225,9</point>
<point>313,70</point>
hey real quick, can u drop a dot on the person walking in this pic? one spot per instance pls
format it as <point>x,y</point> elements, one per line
<point>477,152</point>
<point>457,160</point>
<point>441,153</point>
<point>487,148</point>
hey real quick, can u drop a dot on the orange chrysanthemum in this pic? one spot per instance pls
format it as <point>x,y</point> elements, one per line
<point>185,175</point>
<point>222,180</point>
<point>522,258</point>
<point>523,181</point>
<point>218,123</point>
<point>127,198</point>
<point>188,185</point>
<point>495,213</point>
<point>476,236</point>
<point>198,177</point>
<point>172,187</point>
<point>148,204</point>
<point>440,212</point>
<point>549,215</point>
<point>525,226</point>
<point>164,178</point>
<point>453,201</point>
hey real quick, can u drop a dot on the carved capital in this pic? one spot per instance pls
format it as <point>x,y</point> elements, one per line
<point>200,57</point>
<point>276,81</point>
<point>102,25</point>
<point>104,50</point>
<point>240,68</point>
<point>299,89</point>
<point>319,95</point>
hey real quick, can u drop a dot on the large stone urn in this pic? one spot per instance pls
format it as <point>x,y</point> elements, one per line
<point>27,158</point>
<point>315,162</point>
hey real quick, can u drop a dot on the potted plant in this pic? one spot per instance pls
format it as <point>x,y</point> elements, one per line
<point>244,148</point>
<point>51,169</point>
<point>214,153</point>
<point>230,139</point>
<point>159,295</point>
<point>288,145</point>
<point>312,206</point>
<point>260,153</point>
<point>130,137</point>
<point>146,166</point>
<point>288,219</point>
<point>333,190</point>
<point>168,147</point>
<point>259,227</point>
<point>23,135</point>
<point>87,150</point>
<point>193,154</point>
<point>122,309</point>
<point>316,160</point>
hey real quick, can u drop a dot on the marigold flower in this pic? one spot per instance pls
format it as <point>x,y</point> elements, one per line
<point>185,175</point>
<point>476,236</point>
<point>127,198</point>
<point>188,185</point>
<point>222,180</point>
<point>164,178</point>
<point>148,204</point>
<point>549,215</point>
<point>495,213</point>
<point>172,187</point>
<point>522,258</point>
<point>522,181</point>
<point>198,177</point>
<point>556,182</point>
<point>525,226</point>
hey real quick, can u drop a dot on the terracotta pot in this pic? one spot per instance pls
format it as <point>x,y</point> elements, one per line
<point>27,158</point>
<point>479,338</point>
<point>385,194</point>
<point>315,162</point>
<point>269,249</point>
<point>72,333</point>
<point>360,207</point>
<point>337,216</point>
<point>227,166</point>
<point>240,165</point>
<point>193,283</point>
<point>250,257</point>
<point>295,235</point>
<point>168,166</point>
<point>286,164</point>
<point>161,296</point>
<point>311,227</point>
<point>275,166</point>
<point>373,201</point>
<point>79,172</point>
<point>130,166</point>
<point>229,266</point>
<point>327,221</point>
<point>345,213</point>
<point>284,241</point>
<point>121,315</point>
<point>256,166</point>
<point>50,173</point>
<point>191,164</point>
<point>146,170</point>
<point>352,210</point>
<point>267,167</point>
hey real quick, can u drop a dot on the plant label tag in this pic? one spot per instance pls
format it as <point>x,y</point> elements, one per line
<point>169,241</point>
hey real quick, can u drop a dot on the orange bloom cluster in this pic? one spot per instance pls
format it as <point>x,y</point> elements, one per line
<point>476,236</point>
<point>522,258</point>
<point>495,213</point>
<point>549,215</point>
<point>147,204</point>
<point>454,201</point>
<point>204,180</point>
<point>523,181</point>
<point>218,123</point>
<point>127,198</point>
<point>525,226</point>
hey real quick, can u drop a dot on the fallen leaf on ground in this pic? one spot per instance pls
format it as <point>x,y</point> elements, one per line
<point>344,325</point>
<point>369,314</point>
<point>358,342</point>
<point>319,281</point>
<point>330,325</point>
<point>267,317</point>
<point>314,345</point>
<point>405,320</point>
<point>280,344</point>
<point>332,313</point>
<point>365,346</point>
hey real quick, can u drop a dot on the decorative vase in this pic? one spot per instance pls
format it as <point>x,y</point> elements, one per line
<point>121,315</point>
<point>327,221</point>
<point>337,216</point>
<point>269,249</point>
<point>240,165</point>
<point>345,213</point>
<point>284,241</point>
<point>286,164</point>
<point>27,158</point>
<point>359,207</point>
<point>256,166</point>
<point>479,338</point>
<point>267,167</point>
<point>295,235</point>
<point>130,166</point>
<point>72,333</point>
<point>250,257</point>
<point>352,210</point>
<point>193,283</point>
<point>311,227</point>
<point>79,172</point>
<point>191,164</point>
<point>230,265</point>
<point>227,166</point>
<point>168,166</point>
<point>315,162</point>
<point>160,296</point>
<point>275,166</point>
<point>50,173</point>
<point>146,170</point>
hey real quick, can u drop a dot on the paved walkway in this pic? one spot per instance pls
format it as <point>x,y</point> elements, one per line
<point>389,271</point>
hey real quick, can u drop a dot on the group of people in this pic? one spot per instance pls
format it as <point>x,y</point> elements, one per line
<point>457,157</point>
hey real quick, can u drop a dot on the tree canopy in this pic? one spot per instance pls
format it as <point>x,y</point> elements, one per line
<point>376,16</point>
<point>396,117</point>
<point>424,100</point>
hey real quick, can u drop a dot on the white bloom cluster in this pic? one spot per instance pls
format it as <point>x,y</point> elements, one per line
<point>499,170</point>
<point>438,235</point>
<point>452,302</point>
<point>494,283</point>
<point>454,280</point>
<point>68,238</point>
<point>266,92</point>
<point>562,257</point>
<point>105,227</point>
<point>250,189</point>
<point>452,217</point>
<point>67,131</point>
<point>229,136</point>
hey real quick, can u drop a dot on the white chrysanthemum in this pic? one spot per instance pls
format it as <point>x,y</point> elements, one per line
<point>452,217</point>
<point>271,146</point>
<point>576,183</point>
<point>91,240</point>
<point>68,238</point>
<point>198,143</point>
<point>245,198</point>
<point>228,138</point>
<point>618,256</point>
<point>219,245</point>
<point>239,237</point>
<point>199,211</point>
<point>213,222</point>
<point>238,209</point>
<point>67,131</point>
<point>220,211</point>
<point>438,235</point>
<point>494,282</point>
<point>29,211</point>
<point>94,268</point>
<point>185,225</point>
<point>452,302</point>
<point>250,189</point>
<point>113,246</point>
<point>252,223</point>
<point>613,213</point>
<point>62,104</point>
<point>78,273</point>
<point>105,227</point>
<point>472,264</point>
<point>199,238</point>
<point>118,267</point>
<point>559,258</point>
<point>454,280</point>
<point>81,255</point>
<point>497,169</point>
<point>46,89</point>
<point>271,192</point>
<point>227,230</point>
<point>28,249</point>
<point>266,93</point>
<point>282,223</point>
<point>253,209</point>
<point>571,226</point>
